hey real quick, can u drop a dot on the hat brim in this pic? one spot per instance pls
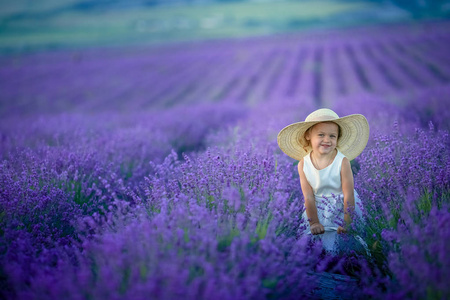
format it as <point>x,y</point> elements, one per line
<point>353,139</point>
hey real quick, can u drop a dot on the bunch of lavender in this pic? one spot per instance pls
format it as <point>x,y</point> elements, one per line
<point>389,169</point>
<point>201,228</point>
<point>59,169</point>
<point>172,256</point>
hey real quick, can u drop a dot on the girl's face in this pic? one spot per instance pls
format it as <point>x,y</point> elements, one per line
<point>323,137</point>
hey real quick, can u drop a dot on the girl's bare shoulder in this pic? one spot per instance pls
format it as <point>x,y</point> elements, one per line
<point>300,165</point>
<point>345,162</point>
<point>346,166</point>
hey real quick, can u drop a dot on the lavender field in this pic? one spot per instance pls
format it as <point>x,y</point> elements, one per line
<point>154,173</point>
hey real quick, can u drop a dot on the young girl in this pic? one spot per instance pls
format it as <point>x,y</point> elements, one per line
<point>324,145</point>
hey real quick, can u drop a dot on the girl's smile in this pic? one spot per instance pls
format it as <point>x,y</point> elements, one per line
<point>323,138</point>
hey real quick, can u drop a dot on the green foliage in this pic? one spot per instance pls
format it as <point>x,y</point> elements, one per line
<point>262,226</point>
<point>210,202</point>
<point>186,235</point>
<point>126,169</point>
<point>195,271</point>
<point>269,283</point>
<point>225,241</point>
<point>125,280</point>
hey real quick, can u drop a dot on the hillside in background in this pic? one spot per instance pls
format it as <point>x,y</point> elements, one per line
<point>49,24</point>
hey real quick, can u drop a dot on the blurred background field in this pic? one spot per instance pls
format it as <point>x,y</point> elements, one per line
<point>29,25</point>
<point>97,55</point>
<point>156,121</point>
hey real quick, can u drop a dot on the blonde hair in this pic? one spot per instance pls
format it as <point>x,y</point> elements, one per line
<point>306,144</point>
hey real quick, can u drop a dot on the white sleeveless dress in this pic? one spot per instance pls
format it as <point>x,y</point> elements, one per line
<point>327,187</point>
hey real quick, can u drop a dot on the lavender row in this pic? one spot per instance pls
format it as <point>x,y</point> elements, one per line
<point>151,78</point>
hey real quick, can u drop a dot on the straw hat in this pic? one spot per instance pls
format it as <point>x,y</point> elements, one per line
<point>353,139</point>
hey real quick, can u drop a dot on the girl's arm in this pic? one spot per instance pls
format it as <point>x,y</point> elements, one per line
<point>310,202</point>
<point>348,187</point>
